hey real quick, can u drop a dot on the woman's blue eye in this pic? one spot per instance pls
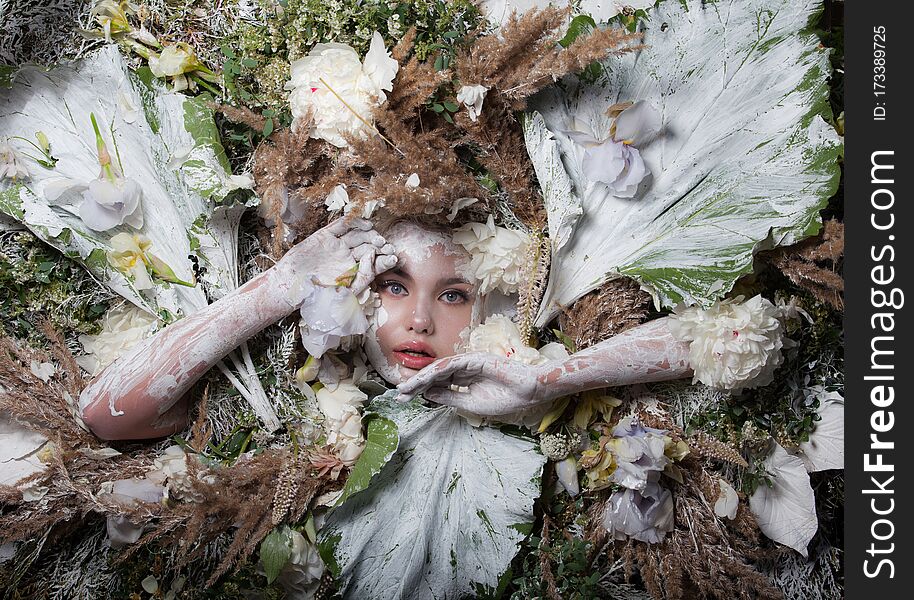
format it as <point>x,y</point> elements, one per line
<point>453,297</point>
<point>394,288</point>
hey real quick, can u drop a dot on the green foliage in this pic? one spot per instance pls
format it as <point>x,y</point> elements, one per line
<point>275,551</point>
<point>381,443</point>
<point>36,282</point>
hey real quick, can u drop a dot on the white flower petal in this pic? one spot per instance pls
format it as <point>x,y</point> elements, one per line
<point>786,512</point>
<point>727,502</point>
<point>825,448</point>
<point>638,123</point>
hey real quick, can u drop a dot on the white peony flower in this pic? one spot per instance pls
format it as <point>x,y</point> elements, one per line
<point>614,160</point>
<point>123,327</point>
<point>497,254</point>
<point>338,91</point>
<point>108,203</point>
<point>727,501</point>
<point>500,336</point>
<point>341,406</point>
<point>11,165</point>
<point>472,96</point>
<point>734,344</point>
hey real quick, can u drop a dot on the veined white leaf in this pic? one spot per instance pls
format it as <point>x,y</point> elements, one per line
<point>744,160</point>
<point>499,11</point>
<point>58,102</point>
<point>443,518</point>
<point>18,447</point>
<point>825,448</point>
<point>786,511</point>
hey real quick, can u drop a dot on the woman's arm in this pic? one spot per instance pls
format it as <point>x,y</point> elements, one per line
<point>133,398</point>
<point>492,386</point>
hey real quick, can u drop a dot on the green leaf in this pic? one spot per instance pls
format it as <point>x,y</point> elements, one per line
<point>249,62</point>
<point>275,552</point>
<point>451,106</point>
<point>227,51</point>
<point>381,443</point>
<point>742,168</point>
<point>580,25</point>
<point>439,63</point>
<point>7,72</point>
<point>438,107</point>
<point>267,127</point>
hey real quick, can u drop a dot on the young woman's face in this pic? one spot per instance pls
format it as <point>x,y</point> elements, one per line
<point>426,302</point>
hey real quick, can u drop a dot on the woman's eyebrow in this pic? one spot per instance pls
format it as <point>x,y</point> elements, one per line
<point>452,281</point>
<point>400,272</point>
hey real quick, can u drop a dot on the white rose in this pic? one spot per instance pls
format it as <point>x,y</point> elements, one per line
<point>302,574</point>
<point>497,254</point>
<point>339,91</point>
<point>734,344</point>
<point>328,314</point>
<point>11,165</point>
<point>123,327</point>
<point>341,406</point>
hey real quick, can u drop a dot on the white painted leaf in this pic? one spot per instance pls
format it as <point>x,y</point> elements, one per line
<point>786,511</point>
<point>563,206</point>
<point>443,518</point>
<point>499,11</point>
<point>176,192</point>
<point>744,160</point>
<point>825,448</point>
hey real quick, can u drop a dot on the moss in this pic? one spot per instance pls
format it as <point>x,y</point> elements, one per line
<point>36,282</point>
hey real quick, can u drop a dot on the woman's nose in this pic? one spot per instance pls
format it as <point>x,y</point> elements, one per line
<point>421,321</point>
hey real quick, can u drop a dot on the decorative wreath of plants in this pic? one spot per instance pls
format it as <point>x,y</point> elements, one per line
<point>602,164</point>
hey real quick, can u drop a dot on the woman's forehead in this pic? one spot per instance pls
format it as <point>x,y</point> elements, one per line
<point>417,246</point>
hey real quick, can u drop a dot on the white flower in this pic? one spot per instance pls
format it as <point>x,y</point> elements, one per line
<point>472,96</point>
<point>328,314</point>
<point>42,370</point>
<point>123,328</point>
<point>109,203</point>
<point>128,255</point>
<point>338,199</point>
<point>302,574</point>
<point>500,336</point>
<point>727,501</point>
<point>11,165</point>
<point>341,406</point>
<point>174,60</point>
<point>639,454</point>
<point>567,472</point>
<point>614,160</point>
<point>497,254</point>
<point>643,515</point>
<point>734,344</point>
<point>339,91</point>
<point>172,463</point>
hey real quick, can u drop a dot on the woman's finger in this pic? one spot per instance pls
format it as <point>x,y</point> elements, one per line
<point>419,382</point>
<point>356,238</point>
<point>344,225</point>
<point>366,273</point>
<point>384,262</point>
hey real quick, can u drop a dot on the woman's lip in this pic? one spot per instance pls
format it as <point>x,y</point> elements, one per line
<point>412,361</point>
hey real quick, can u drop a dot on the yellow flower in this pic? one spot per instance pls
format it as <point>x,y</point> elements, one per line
<point>599,465</point>
<point>675,450</point>
<point>128,255</point>
<point>592,403</point>
<point>112,16</point>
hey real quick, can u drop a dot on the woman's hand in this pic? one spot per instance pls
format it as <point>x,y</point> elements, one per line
<point>344,248</point>
<point>480,383</point>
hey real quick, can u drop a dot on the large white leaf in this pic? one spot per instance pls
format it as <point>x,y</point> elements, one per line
<point>786,511</point>
<point>744,160</point>
<point>443,518</point>
<point>167,142</point>
<point>825,448</point>
<point>18,449</point>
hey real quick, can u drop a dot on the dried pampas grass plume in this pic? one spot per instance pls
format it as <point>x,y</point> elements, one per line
<point>815,264</point>
<point>617,305</point>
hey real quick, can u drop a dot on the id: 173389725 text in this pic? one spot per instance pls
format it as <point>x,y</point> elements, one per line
<point>879,81</point>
